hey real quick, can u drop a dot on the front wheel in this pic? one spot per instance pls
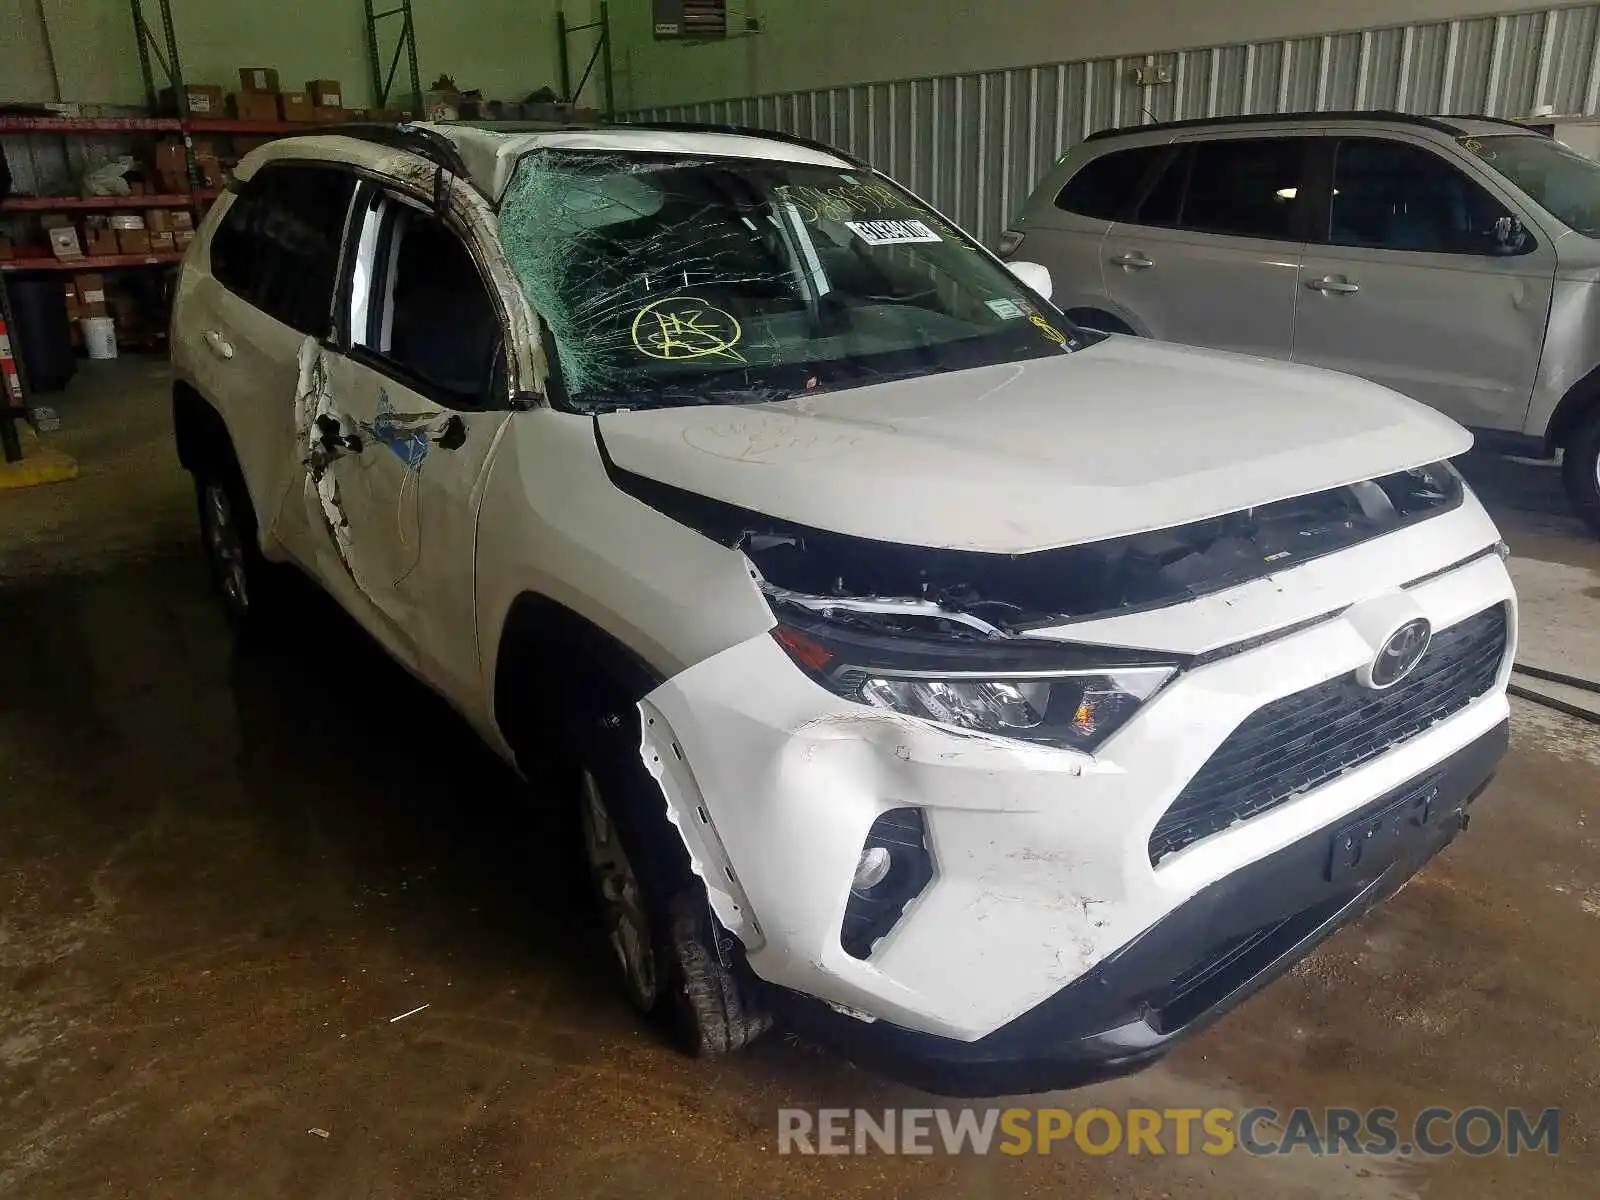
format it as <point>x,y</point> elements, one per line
<point>662,937</point>
<point>1580,469</point>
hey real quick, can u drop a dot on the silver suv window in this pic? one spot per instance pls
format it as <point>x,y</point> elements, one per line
<point>1108,186</point>
<point>1244,187</point>
<point>1561,181</point>
<point>1393,195</point>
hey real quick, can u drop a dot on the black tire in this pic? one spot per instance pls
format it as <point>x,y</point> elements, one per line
<point>248,586</point>
<point>704,998</point>
<point>1100,322</point>
<point>1580,469</point>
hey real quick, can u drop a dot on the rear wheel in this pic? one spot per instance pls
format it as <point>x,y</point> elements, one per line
<point>675,963</point>
<point>245,582</point>
<point>1580,469</point>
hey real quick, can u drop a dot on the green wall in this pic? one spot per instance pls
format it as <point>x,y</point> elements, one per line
<point>84,50</point>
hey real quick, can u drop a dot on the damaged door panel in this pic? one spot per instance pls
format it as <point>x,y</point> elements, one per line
<point>396,431</point>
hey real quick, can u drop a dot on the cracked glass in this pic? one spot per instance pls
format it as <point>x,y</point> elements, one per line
<point>666,280</point>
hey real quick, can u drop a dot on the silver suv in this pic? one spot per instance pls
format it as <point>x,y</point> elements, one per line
<point>1455,260</point>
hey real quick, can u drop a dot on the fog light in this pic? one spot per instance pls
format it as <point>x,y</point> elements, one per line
<point>873,868</point>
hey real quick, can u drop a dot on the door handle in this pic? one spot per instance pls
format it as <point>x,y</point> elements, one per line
<point>1133,260</point>
<point>220,346</point>
<point>1333,285</point>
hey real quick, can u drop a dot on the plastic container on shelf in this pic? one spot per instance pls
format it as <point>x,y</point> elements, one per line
<point>99,337</point>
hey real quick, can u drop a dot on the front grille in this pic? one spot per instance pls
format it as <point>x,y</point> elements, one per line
<point>1305,740</point>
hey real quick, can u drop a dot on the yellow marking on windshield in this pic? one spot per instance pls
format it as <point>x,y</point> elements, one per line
<point>1049,330</point>
<point>684,327</point>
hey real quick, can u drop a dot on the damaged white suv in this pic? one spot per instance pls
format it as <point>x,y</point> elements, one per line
<point>993,700</point>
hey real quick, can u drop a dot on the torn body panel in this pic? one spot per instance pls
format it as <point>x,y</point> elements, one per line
<point>1041,868</point>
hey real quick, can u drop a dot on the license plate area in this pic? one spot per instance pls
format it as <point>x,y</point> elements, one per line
<point>1371,844</point>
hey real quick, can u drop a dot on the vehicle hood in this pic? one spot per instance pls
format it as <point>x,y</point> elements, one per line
<point>1123,437</point>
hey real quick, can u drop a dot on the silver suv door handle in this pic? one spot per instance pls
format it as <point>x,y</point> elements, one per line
<point>1133,260</point>
<point>220,346</point>
<point>1333,285</point>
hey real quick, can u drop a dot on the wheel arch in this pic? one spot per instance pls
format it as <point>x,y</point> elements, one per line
<point>1580,399</point>
<point>542,640</point>
<point>198,428</point>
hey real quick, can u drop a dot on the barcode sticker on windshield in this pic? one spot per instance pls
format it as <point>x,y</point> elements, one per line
<point>892,233</point>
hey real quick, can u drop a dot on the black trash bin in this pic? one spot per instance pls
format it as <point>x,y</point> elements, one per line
<point>43,340</point>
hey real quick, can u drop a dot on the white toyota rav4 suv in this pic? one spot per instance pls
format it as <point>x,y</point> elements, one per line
<point>993,700</point>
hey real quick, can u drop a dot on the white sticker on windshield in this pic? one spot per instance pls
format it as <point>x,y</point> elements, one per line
<point>1007,310</point>
<point>892,233</point>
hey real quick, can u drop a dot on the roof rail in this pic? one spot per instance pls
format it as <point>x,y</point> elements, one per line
<point>771,135</point>
<point>1438,124</point>
<point>425,143</point>
<point>1526,126</point>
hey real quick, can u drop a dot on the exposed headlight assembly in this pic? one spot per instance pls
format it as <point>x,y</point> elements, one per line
<point>1053,693</point>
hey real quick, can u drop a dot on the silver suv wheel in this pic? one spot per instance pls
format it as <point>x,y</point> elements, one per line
<point>224,545</point>
<point>621,898</point>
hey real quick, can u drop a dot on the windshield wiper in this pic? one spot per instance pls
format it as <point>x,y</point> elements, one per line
<point>678,395</point>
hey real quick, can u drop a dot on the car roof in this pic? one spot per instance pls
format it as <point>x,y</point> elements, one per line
<point>487,153</point>
<point>1449,126</point>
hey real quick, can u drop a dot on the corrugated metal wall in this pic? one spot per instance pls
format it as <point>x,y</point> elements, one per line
<point>975,144</point>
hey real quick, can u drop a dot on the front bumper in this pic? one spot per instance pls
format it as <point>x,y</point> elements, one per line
<point>1193,965</point>
<point>1042,865</point>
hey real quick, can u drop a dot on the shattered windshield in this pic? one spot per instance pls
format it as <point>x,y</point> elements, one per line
<point>666,280</point>
<point>1560,180</point>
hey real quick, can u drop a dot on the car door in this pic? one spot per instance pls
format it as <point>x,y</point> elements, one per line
<point>1211,257</point>
<point>263,290</point>
<point>1066,223</point>
<point>401,414</point>
<point>1425,281</point>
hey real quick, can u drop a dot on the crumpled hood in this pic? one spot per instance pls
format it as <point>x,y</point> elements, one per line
<point>1123,437</point>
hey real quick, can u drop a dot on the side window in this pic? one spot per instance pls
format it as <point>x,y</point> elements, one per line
<point>236,257</point>
<point>1249,187</point>
<point>1106,186</point>
<point>1163,206</point>
<point>427,312</point>
<point>278,245</point>
<point>1396,196</point>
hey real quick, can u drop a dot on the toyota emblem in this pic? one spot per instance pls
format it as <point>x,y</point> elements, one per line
<point>1400,654</point>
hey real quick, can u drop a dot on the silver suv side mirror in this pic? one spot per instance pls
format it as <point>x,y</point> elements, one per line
<point>1034,276</point>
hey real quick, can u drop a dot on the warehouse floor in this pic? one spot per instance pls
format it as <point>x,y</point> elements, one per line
<point>221,880</point>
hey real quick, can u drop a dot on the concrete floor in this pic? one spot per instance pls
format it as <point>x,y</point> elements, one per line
<point>220,879</point>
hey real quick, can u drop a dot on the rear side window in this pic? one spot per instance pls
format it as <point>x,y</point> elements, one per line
<point>1109,185</point>
<point>1250,188</point>
<point>278,244</point>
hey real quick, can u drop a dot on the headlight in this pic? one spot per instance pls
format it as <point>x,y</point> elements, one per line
<point>1034,690</point>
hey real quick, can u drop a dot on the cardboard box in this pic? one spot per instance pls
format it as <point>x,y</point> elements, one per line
<point>205,100</point>
<point>254,106</point>
<point>100,239</point>
<point>133,241</point>
<point>91,291</point>
<point>161,243</point>
<point>180,219</point>
<point>172,167</point>
<point>157,220</point>
<point>181,239</point>
<point>328,115</point>
<point>325,93</point>
<point>258,79</point>
<point>210,170</point>
<point>7,253</point>
<point>64,243</point>
<point>296,106</point>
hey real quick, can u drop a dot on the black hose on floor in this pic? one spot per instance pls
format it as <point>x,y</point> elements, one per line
<point>1551,702</point>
